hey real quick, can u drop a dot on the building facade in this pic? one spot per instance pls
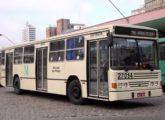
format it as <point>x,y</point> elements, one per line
<point>154,4</point>
<point>138,11</point>
<point>77,26</point>
<point>28,33</point>
<point>62,25</point>
<point>149,5</point>
<point>51,31</point>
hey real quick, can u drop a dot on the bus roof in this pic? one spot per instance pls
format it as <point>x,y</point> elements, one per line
<point>83,31</point>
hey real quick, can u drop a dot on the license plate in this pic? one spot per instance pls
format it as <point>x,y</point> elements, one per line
<point>141,94</point>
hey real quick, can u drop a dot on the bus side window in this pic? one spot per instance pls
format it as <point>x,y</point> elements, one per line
<point>71,55</point>
<point>29,54</point>
<point>57,51</point>
<point>75,48</point>
<point>3,58</point>
<point>70,44</point>
<point>18,55</point>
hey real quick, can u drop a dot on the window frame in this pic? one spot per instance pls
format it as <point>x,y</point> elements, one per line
<point>56,51</point>
<point>75,48</point>
<point>18,55</point>
<point>138,39</point>
<point>29,54</point>
<point>3,57</point>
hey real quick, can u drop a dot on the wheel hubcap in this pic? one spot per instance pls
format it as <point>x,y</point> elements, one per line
<point>76,92</point>
<point>16,86</point>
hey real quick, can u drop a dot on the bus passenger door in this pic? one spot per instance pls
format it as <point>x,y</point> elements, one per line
<point>98,60</point>
<point>9,69</point>
<point>41,68</point>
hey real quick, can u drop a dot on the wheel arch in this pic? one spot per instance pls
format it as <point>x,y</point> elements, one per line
<point>70,79</point>
<point>15,76</point>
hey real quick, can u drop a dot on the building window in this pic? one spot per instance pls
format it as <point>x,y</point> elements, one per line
<point>29,54</point>
<point>75,48</point>
<point>18,55</point>
<point>57,51</point>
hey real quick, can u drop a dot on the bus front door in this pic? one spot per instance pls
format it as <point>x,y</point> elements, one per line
<point>98,62</point>
<point>41,68</point>
<point>9,69</point>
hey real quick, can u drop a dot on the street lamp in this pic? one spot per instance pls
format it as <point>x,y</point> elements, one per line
<point>7,39</point>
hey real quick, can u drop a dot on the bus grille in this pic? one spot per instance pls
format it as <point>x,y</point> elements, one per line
<point>146,75</point>
<point>139,84</point>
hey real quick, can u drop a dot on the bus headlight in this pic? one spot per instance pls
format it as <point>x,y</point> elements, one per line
<point>119,85</point>
<point>122,85</point>
<point>156,83</point>
<point>125,85</point>
<point>152,83</point>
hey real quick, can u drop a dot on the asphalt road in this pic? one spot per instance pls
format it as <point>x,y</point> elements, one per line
<point>40,106</point>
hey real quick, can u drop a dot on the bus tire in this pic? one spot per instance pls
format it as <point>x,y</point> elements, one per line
<point>16,86</point>
<point>75,93</point>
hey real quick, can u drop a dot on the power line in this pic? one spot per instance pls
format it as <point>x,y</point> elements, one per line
<point>118,10</point>
<point>7,38</point>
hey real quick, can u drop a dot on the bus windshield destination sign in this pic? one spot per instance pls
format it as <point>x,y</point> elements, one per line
<point>135,32</point>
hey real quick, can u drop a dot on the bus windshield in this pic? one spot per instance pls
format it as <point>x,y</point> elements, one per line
<point>133,54</point>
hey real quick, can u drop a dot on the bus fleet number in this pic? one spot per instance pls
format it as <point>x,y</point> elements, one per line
<point>125,76</point>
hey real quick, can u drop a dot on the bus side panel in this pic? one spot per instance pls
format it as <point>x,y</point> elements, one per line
<point>56,80</point>
<point>78,68</point>
<point>162,68</point>
<point>3,78</point>
<point>27,74</point>
<point>18,70</point>
<point>28,84</point>
<point>57,87</point>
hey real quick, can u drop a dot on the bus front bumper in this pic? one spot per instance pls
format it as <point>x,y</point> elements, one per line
<point>124,95</point>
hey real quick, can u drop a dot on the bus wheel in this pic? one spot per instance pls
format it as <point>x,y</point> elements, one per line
<point>16,86</point>
<point>75,93</point>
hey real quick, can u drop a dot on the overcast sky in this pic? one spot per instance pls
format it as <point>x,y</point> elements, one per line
<point>41,13</point>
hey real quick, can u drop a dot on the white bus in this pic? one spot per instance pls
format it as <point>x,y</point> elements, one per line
<point>110,63</point>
